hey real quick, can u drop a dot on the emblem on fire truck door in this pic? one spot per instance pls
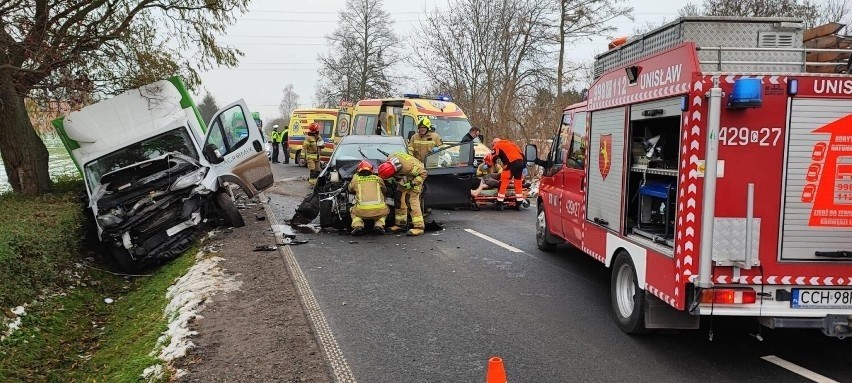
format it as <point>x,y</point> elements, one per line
<point>605,155</point>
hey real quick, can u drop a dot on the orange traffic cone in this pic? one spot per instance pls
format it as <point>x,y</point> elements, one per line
<point>495,373</point>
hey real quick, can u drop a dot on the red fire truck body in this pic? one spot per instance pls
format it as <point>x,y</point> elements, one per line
<point>713,181</point>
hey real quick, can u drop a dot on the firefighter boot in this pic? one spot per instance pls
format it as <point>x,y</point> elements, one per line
<point>415,231</point>
<point>499,206</point>
<point>358,230</point>
<point>378,230</point>
<point>396,229</point>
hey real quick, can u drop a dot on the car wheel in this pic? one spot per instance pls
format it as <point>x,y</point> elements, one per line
<point>628,301</point>
<point>122,259</point>
<point>326,216</point>
<point>541,230</point>
<point>229,210</point>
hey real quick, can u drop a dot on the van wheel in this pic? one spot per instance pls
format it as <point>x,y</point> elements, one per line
<point>628,301</point>
<point>229,210</point>
<point>300,159</point>
<point>541,230</point>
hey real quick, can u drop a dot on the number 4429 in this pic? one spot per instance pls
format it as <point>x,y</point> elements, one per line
<point>746,136</point>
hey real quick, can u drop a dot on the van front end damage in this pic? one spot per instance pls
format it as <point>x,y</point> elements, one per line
<point>151,210</point>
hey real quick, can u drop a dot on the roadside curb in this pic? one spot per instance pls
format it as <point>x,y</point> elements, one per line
<point>334,356</point>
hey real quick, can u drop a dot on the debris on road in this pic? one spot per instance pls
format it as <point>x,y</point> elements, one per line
<point>433,226</point>
<point>265,248</point>
<point>260,217</point>
<point>108,300</point>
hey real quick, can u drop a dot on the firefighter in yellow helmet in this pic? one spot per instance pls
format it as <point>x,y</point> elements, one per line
<point>369,192</point>
<point>312,145</point>
<point>425,141</point>
<point>410,176</point>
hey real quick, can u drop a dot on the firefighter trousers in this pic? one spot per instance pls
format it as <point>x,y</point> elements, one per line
<point>410,198</point>
<point>515,172</point>
<point>313,168</point>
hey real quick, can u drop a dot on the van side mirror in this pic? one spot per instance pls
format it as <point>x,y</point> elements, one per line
<point>531,153</point>
<point>212,154</point>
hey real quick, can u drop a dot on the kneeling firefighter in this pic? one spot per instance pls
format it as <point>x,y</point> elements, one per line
<point>312,144</point>
<point>409,174</point>
<point>370,204</point>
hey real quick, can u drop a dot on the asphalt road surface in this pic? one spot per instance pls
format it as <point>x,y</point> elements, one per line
<point>435,308</point>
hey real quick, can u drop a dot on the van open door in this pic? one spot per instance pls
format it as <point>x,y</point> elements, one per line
<point>450,175</point>
<point>237,157</point>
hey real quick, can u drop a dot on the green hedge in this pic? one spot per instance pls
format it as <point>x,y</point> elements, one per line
<point>39,238</point>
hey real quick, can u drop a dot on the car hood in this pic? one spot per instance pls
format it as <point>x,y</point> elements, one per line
<point>346,168</point>
<point>130,182</point>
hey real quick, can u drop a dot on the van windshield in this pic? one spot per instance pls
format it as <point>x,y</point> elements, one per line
<point>177,140</point>
<point>451,129</point>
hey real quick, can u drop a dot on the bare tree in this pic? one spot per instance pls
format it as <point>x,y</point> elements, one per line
<point>811,12</point>
<point>583,19</point>
<point>289,102</point>
<point>74,50</point>
<point>361,51</point>
<point>208,107</point>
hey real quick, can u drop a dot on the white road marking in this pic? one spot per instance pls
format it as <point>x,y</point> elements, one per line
<point>798,369</point>
<point>494,241</point>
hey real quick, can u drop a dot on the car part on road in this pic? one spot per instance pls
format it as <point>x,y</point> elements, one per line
<point>265,248</point>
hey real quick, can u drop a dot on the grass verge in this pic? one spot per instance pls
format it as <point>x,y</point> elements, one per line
<point>69,333</point>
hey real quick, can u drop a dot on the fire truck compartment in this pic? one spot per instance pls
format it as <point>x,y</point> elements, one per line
<point>817,204</point>
<point>607,161</point>
<point>652,180</point>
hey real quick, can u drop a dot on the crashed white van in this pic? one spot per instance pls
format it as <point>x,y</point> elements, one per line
<point>154,172</point>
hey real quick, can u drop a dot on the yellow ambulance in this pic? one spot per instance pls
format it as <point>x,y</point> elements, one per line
<point>300,119</point>
<point>399,116</point>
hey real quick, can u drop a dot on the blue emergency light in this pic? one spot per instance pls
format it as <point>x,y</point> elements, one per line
<point>444,97</point>
<point>747,93</point>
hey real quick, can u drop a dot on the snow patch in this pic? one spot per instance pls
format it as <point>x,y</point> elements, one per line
<point>187,298</point>
<point>14,324</point>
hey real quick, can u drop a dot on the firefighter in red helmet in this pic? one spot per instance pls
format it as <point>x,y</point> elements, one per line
<point>312,145</point>
<point>410,174</point>
<point>369,192</point>
<point>509,154</point>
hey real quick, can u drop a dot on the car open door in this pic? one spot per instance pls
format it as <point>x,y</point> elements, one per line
<point>236,157</point>
<point>450,175</point>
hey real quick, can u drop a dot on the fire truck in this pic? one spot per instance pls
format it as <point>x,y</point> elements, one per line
<point>710,168</point>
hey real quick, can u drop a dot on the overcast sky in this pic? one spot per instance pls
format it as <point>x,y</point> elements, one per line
<point>282,38</point>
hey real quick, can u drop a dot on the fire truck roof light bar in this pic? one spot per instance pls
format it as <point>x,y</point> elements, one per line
<point>709,199</point>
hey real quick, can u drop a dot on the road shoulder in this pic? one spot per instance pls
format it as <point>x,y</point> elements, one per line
<point>259,332</point>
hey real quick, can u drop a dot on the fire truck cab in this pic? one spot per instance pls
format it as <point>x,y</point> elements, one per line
<point>710,169</point>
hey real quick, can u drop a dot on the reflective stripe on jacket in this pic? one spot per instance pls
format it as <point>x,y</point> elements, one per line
<point>311,146</point>
<point>412,169</point>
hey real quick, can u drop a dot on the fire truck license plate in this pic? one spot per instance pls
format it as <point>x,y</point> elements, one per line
<point>821,299</point>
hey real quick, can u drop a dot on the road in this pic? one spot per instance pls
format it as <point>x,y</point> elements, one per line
<point>435,308</point>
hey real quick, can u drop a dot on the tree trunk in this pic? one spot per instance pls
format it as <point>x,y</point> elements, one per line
<point>24,154</point>
<point>560,65</point>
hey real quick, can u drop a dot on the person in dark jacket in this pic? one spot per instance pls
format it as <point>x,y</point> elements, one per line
<point>285,147</point>
<point>471,135</point>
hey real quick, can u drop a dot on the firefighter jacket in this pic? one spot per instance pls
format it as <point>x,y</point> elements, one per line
<point>507,152</point>
<point>312,146</point>
<point>421,145</point>
<point>369,196</point>
<point>412,170</point>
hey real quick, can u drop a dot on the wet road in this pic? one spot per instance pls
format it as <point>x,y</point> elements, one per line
<point>435,308</point>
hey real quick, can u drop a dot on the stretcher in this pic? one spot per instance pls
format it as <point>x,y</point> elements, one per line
<point>488,197</point>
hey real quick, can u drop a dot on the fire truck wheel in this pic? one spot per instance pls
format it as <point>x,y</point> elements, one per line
<point>628,301</point>
<point>541,230</point>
